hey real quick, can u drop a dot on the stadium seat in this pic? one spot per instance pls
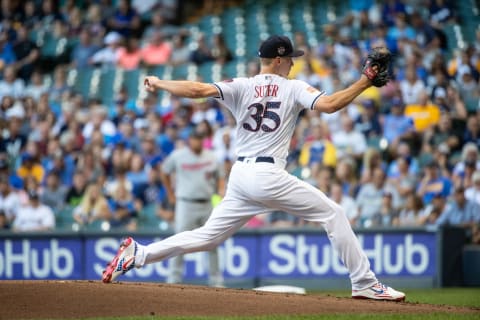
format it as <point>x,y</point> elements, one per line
<point>148,219</point>
<point>82,81</point>
<point>64,219</point>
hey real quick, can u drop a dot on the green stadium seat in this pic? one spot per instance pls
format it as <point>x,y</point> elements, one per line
<point>82,81</point>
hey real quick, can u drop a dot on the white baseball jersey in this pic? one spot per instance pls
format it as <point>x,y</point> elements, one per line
<point>266,109</point>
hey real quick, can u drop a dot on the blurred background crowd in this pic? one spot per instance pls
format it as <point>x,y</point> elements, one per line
<point>82,144</point>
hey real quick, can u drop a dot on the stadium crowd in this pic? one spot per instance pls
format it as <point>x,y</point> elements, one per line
<point>403,155</point>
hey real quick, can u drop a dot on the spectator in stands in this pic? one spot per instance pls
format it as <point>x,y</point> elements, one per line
<point>99,121</point>
<point>433,183</point>
<point>441,12</point>
<point>412,212</point>
<point>220,52</point>
<point>424,113</point>
<point>387,214</point>
<point>473,192</point>
<point>401,29</point>
<point>151,191</point>
<point>345,173</point>
<point>94,206</point>
<point>136,171</point>
<point>368,122</point>
<point>346,202</point>
<point>59,86</point>
<point>77,190</point>
<point>107,56</point>
<point>14,139</point>
<point>36,86</point>
<point>459,212</point>
<point>322,179</point>
<point>7,55</point>
<point>158,24</point>
<point>125,19</point>
<point>30,167</point>
<point>372,159</point>
<point>54,192</point>
<point>348,141</point>
<point>123,208</point>
<point>49,13</point>
<point>317,151</point>
<point>403,150</point>
<point>84,50</point>
<point>370,197</point>
<point>26,53</point>
<point>469,158</point>
<point>412,87</point>
<point>203,52</point>
<point>130,56</point>
<point>157,51</point>
<point>11,85</point>
<point>90,163</point>
<point>180,50</point>
<point>95,23</point>
<point>468,86</point>
<point>148,148</point>
<point>404,181</point>
<point>35,216</point>
<point>472,132</point>
<point>9,200</point>
<point>396,125</point>
<point>433,210</point>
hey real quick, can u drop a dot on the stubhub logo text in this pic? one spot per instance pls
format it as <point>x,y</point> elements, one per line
<point>40,259</point>
<point>237,259</point>
<point>313,255</point>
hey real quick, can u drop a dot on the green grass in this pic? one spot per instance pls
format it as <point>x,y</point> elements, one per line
<point>462,297</point>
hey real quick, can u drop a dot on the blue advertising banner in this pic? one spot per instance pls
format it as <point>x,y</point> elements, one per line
<point>41,258</point>
<point>307,255</point>
<point>238,258</point>
<point>246,255</point>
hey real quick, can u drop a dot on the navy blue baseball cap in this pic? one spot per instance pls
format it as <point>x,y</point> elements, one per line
<point>278,46</point>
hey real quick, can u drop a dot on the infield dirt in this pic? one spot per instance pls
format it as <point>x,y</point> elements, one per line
<point>82,299</point>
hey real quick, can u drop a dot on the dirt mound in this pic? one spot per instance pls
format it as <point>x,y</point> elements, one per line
<point>81,299</point>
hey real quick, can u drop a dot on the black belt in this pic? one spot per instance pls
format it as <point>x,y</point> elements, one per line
<point>195,200</point>
<point>259,159</point>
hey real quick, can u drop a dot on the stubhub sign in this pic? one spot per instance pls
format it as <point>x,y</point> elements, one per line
<point>246,255</point>
<point>312,255</point>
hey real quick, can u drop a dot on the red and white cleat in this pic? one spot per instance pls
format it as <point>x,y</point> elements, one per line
<point>123,261</point>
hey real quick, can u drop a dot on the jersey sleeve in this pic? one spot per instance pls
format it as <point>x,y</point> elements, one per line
<point>168,166</point>
<point>306,95</point>
<point>228,92</point>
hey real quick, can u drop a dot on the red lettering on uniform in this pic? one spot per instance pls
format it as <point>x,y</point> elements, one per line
<point>258,90</point>
<point>269,90</point>
<point>195,166</point>
<point>274,90</point>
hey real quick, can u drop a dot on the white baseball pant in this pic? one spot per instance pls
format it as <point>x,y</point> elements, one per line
<point>256,188</point>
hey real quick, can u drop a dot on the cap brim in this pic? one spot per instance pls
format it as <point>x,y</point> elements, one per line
<point>296,53</point>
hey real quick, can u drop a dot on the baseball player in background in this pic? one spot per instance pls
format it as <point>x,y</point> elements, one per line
<point>266,108</point>
<point>197,179</point>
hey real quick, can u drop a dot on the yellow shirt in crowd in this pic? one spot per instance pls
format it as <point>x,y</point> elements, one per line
<point>423,116</point>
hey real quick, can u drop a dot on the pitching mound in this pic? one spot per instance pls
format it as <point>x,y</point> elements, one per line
<point>82,299</point>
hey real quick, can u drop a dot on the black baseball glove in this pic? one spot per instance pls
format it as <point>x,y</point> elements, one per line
<point>376,66</point>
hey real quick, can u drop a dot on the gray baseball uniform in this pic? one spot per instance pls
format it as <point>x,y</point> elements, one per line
<point>195,183</point>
